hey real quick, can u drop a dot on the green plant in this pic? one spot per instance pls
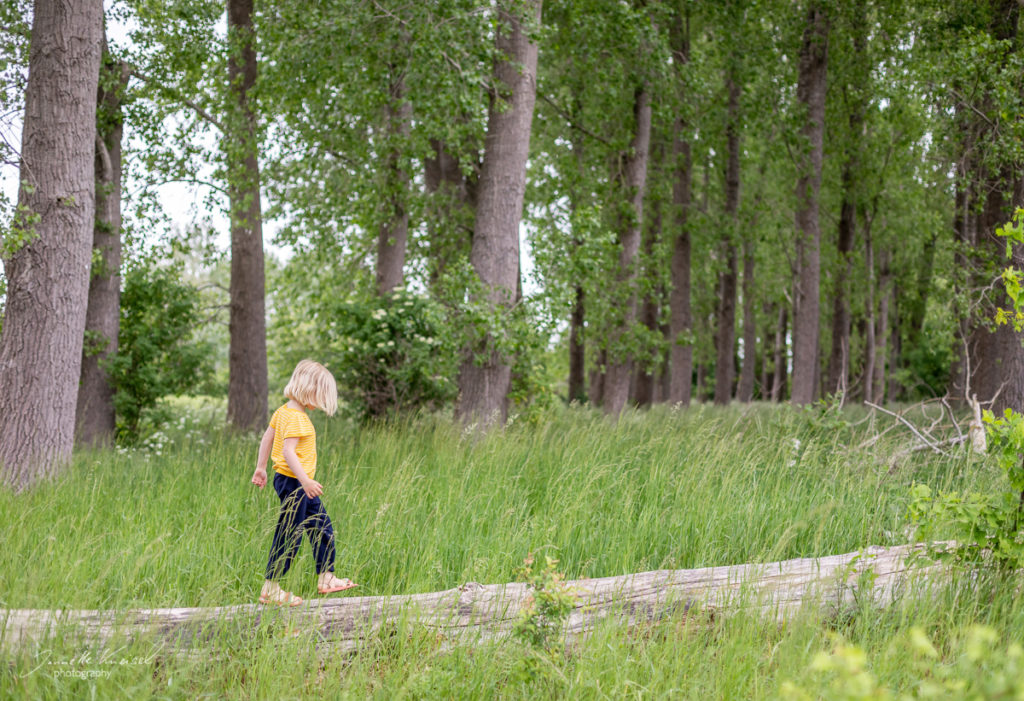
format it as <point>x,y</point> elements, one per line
<point>987,526</point>
<point>541,619</point>
<point>978,670</point>
<point>157,352</point>
<point>390,354</point>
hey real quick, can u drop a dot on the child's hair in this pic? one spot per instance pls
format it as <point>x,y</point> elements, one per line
<point>313,385</point>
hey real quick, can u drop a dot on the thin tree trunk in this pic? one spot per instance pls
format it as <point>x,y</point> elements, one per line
<point>451,204</point>
<point>247,353</point>
<point>94,413</point>
<point>870,346</point>
<point>882,328</point>
<point>779,381</point>
<point>725,340</point>
<point>745,391</point>
<point>595,388</point>
<point>620,365</point>
<point>680,327</point>
<point>483,386</point>
<point>813,72</point>
<point>839,360</point>
<point>48,273</point>
<point>577,343</point>
<point>768,354</point>
<point>394,230</point>
<point>646,372</point>
<point>893,387</point>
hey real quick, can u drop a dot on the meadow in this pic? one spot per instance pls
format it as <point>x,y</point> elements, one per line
<point>422,505</point>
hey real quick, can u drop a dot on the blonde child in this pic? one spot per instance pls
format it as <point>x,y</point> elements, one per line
<point>291,441</point>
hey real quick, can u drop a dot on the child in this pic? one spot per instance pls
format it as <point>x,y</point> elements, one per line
<point>291,441</point>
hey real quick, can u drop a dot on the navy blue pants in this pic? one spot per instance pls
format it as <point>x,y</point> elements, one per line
<point>299,513</point>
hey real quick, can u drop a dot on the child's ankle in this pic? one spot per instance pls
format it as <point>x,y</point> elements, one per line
<point>270,587</point>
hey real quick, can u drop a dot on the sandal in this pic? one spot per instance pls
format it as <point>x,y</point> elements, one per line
<point>281,598</point>
<point>334,584</point>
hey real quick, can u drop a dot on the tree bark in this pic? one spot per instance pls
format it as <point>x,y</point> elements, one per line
<point>48,274</point>
<point>94,414</point>
<point>725,339</point>
<point>870,345</point>
<point>393,235</point>
<point>647,371</point>
<point>450,209</point>
<point>680,327</point>
<point>839,359</point>
<point>813,72</point>
<point>780,377</point>
<point>745,391</point>
<point>616,390</point>
<point>881,334</point>
<point>247,353</point>
<point>483,386</point>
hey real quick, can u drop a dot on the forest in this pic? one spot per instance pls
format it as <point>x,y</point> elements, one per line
<point>783,234</point>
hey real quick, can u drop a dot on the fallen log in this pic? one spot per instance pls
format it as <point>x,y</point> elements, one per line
<point>476,611</point>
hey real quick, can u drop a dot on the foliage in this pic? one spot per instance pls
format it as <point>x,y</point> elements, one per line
<point>390,355</point>
<point>540,621</point>
<point>157,353</point>
<point>988,526</point>
<point>979,669</point>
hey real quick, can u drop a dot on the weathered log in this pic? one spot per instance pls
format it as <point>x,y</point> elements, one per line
<point>475,611</point>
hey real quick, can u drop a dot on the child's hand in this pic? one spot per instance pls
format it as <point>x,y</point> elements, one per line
<point>259,478</point>
<point>313,489</point>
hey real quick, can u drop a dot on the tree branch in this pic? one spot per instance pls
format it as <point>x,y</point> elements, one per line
<point>200,112</point>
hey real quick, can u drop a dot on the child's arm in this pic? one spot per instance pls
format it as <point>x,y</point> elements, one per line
<point>312,488</point>
<point>259,478</point>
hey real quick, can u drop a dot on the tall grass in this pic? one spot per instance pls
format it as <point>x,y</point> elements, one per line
<point>423,506</point>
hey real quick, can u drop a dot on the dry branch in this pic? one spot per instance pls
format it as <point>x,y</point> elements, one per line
<point>475,612</point>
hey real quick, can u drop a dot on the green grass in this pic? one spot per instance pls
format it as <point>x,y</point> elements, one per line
<point>422,507</point>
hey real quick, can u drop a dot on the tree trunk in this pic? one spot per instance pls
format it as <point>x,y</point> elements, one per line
<point>595,388</point>
<point>725,339</point>
<point>577,343</point>
<point>483,386</point>
<point>620,365</point>
<point>839,360</point>
<point>680,325</point>
<point>745,391</point>
<point>893,387</point>
<point>647,371</point>
<point>997,365</point>
<point>813,72</point>
<point>94,413</point>
<point>998,359</point>
<point>780,379</point>
<point>247,353</point>
<point>882,329</point>
<point>870,346</point>
<point>394,229</point>
<point>48,273</point>
<point>450,210</point>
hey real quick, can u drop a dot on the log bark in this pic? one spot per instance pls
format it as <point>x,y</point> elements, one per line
<point>247,352</point>
<point>474,612</point>
<point>483,386</point>
<point>813,73</point>
<point>48,274</point>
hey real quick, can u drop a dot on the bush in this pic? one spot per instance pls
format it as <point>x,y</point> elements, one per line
<point>157,352</point>
<point>389,354</point>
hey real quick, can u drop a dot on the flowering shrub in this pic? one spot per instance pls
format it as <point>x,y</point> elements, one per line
<point>389,354</point>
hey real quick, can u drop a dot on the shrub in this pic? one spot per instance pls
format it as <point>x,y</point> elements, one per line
<point>157,353</point>
<point>389,354</point>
